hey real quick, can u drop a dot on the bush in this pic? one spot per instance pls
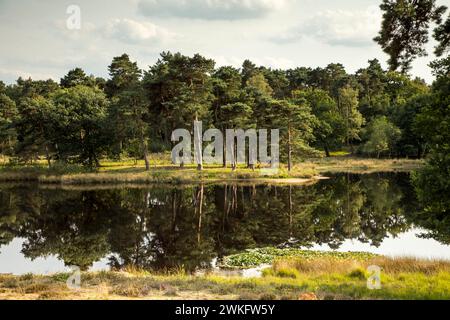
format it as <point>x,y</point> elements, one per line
<point>287,273</point>
<point>358,273</point>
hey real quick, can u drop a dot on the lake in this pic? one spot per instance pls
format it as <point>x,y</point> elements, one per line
<point>45,229</point>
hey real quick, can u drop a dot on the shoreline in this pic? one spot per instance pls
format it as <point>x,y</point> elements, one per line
<point>304,173</point>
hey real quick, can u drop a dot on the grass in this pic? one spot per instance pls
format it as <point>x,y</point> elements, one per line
<point>363,165</point>
<point>133,172</point>
<point>306,276</point>
<point>401,278</point>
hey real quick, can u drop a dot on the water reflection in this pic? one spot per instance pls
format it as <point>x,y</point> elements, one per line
<point>163,227</point>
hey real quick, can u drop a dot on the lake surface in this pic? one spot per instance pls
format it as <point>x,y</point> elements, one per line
<point>46,229</point>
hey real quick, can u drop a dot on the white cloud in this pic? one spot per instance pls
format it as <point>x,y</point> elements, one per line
<point>132,31</point>
<point>339,27</point>
<point>210,9</point>
<point>87,29</point>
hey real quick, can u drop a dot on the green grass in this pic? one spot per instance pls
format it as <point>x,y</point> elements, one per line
<point>340,153</point>
<point>339,276</point>
<point>315,276</point>
<point>131,171</point>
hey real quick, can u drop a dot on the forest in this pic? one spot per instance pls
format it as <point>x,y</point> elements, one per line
<point>373,112</point>
<point>82,119</point>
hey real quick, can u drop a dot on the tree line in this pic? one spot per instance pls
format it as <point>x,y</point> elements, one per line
<point>133,113</point>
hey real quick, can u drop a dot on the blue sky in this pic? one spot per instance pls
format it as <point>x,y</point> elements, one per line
<point>278,33</point>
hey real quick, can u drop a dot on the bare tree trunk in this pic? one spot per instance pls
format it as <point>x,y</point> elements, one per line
<point>234,164</point>
<point>224,150</point>
<point>198,138</point>
<point>224,155</point>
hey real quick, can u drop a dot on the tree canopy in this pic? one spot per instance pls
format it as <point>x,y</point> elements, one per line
<point>374,112</point>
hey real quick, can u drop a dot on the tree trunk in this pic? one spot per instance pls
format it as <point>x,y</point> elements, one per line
<point>47,155</point>
<point>144,145</point>
<point>327,151</point>
<point>224,155</point>
<point>198,138</point>
<point>234,156</point>
<point>147,162</point>
<point>224,151</point>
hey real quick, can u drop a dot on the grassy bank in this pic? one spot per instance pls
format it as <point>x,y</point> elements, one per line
<point>255,257</point>
<point>361,165</point>
<point>162,172</point>
<point>304,275</point>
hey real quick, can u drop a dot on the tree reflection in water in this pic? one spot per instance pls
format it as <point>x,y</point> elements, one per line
<point>165,226</point>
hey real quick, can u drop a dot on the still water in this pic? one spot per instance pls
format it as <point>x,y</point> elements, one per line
<point>45,229</point>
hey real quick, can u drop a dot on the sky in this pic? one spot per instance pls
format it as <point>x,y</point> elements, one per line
<point>36,40</point>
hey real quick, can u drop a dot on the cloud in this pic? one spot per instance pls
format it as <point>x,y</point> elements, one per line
<point>134,32</point>
<point>87,29</point>
<point>337,28</point>
<point>210,9</point>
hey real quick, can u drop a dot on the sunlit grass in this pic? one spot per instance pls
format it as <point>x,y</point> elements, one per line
<point>288,279</point>
<point>339,153</point>
<point>162,171</point>
<point>296,274</point>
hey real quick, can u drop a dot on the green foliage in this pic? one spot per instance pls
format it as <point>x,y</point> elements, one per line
<point>35,128</point>
<point>283,273</point>
<point>8,118</point>
<point>256,257</point>
<point>178,89</point>
<point>75,77</point>
<point>442,35</point>
<point>134,112</point>
<point>259,85</point>
<point>328,124</point>
<point>123,73</point>
<point>348,108</point>
<point>358,273</point>
<point>128,111</point>
<point>405,30</point>
<point>381,137</point>
<point>79,121</point>
<point>433,183</point>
